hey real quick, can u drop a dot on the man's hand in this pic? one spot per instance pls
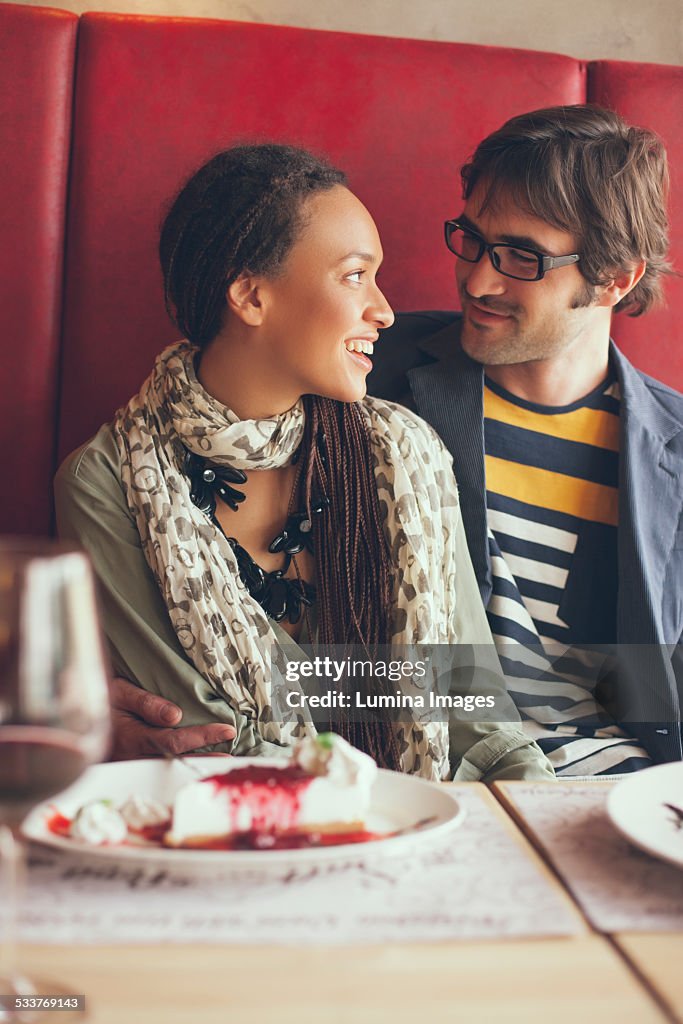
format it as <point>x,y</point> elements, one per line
<point>142,725</point>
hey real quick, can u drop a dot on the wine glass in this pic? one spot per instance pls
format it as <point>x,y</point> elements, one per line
<point>54,710</point>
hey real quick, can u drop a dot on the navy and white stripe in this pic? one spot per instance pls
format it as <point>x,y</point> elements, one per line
<point>542,488</point>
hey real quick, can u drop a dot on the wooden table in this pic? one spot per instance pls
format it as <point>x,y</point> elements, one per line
<point>559,980</point>
<point>658,960</point>
<point>585,978</point>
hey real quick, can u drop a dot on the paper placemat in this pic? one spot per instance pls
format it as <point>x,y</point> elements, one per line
<point>618,887</point>
<point>481,883</point>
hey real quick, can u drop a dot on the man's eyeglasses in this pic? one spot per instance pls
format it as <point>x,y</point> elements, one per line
<point>511,260</point>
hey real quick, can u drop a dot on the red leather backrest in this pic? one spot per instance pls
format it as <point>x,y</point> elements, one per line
<point>652,95</point>
<point>36,69</point>
<point>157,96</point>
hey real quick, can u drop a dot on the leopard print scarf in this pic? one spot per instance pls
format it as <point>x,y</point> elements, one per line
<point>222,629</point>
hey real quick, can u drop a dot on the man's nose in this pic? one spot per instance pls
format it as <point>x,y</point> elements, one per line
<point>481,278</point>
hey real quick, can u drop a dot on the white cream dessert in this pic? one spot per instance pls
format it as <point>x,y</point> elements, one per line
<point>325,788</point>
<point>140,813</point>
<point>98,824</point>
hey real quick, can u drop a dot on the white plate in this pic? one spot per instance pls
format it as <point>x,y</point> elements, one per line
<point>397,802</point>
<point>637,806</point>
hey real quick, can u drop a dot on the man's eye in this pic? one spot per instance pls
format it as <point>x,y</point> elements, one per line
<point>520,256</point>
<point>470,243</point>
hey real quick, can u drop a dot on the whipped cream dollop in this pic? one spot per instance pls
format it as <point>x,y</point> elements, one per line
<point>140,812</point>
<point>332,756</point>
<point>98,823</point>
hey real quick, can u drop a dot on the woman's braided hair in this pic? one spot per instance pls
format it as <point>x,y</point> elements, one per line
<point>244,210</point>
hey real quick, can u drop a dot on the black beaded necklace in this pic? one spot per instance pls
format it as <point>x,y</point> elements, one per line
<point>278,595</point>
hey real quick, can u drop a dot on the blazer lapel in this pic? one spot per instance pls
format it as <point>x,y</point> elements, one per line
<point>448,393</point>
<point>648,612</point>
<point>650,503</point>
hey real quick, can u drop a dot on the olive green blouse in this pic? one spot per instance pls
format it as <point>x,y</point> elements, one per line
<point>92,509</point>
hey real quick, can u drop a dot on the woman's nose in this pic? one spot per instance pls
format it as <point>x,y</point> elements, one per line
<point>380,312</point>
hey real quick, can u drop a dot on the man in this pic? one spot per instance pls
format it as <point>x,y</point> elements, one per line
<point>568,459</point>
<point>570,456</point>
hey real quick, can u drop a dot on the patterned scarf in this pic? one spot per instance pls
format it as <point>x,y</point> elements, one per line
<point>222,629</point>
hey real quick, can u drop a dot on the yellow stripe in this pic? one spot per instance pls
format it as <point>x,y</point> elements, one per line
<point>556,491</point>
<point>589,426</point>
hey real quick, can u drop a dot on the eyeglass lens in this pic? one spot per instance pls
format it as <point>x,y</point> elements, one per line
<point>509,260</point>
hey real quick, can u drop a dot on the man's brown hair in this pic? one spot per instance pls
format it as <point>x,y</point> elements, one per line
<point>584,170</point>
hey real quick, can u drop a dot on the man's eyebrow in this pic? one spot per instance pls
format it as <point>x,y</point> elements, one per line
<point>525,241</point>
<point>467,223</point>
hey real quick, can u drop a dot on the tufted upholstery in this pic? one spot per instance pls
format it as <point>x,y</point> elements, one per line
<point>36,71</point>
<point>652,95</point>
<point>153,98</point>
<point>156,96</point>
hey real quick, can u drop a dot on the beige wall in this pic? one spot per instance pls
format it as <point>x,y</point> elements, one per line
<point>647,30</point>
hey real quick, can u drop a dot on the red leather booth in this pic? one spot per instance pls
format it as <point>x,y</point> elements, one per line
<point>154,97</point>
<point>37,49</point>
<point>652,95</point>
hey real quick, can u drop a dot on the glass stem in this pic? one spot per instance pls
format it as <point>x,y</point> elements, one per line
<point>11,868</point>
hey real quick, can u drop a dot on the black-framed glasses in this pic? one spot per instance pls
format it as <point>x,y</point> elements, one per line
<point>511,260</point>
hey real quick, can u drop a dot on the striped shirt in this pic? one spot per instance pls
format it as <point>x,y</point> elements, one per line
<point>552,501</point>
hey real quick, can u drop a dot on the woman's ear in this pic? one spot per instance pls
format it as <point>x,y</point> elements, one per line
<point>625,281</point>
<point>244,299</point>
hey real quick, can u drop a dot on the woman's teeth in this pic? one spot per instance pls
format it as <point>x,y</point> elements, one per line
<point>360,345</point>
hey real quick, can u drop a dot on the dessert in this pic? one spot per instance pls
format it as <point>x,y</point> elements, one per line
<point>324,790</point>
<point>320,797</point>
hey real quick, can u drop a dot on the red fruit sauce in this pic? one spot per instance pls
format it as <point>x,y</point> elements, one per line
<point>273,796</point>
<point>58,824</point>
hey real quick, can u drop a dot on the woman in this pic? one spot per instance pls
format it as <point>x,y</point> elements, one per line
<point>250,493</point>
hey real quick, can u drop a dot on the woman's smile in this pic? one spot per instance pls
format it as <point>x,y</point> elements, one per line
<point>360,349</point>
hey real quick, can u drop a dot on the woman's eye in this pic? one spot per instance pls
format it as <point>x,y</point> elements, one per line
<point>355,276</point>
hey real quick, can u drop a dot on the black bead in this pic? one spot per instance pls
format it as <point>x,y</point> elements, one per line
<point>277,595</point>
<point>279,543</point>
<point>277,599</point>
<point>293,606</point>
<point>230,474</point>
<point>319,505</point>
<point>230,496</point>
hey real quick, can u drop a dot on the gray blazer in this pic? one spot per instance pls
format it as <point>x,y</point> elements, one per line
<point>419,363</point>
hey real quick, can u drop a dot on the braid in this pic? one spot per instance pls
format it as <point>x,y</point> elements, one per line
<point>353,565</point>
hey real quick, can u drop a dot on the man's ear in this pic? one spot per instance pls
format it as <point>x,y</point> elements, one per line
<point>244,299</point>
<point>614,291</point>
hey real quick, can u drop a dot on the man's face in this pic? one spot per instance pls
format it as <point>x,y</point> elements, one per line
<point>506,321</point>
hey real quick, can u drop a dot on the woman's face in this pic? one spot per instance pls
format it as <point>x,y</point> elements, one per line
<point>323,311</point>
